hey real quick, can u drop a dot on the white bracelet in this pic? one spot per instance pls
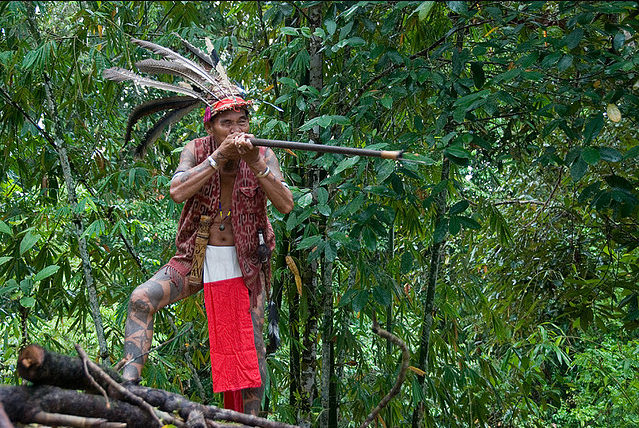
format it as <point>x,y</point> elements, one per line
<point>264,173</point>
<point>213,163</point>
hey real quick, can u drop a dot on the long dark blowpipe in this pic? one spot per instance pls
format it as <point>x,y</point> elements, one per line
<point>324,148</point>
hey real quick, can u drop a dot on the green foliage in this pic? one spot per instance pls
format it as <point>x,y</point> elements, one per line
<point>523,113</point>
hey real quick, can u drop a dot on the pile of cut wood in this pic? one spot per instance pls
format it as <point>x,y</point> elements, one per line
<point>76,392</point>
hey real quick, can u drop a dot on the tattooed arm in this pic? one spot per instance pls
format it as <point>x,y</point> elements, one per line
<point>190,176</point>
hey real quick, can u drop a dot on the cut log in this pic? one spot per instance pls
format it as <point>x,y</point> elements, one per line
<point>23,404</point>
<point>53,372</point>
<point>42,366</point>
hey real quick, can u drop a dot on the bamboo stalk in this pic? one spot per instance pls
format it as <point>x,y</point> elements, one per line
<point>324,148</point>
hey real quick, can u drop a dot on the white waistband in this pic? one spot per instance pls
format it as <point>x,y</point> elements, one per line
<point>221,263</point>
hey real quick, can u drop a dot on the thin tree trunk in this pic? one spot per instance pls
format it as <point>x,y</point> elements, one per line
<point>429,297</point>
<point>78,226</point>
<point>327,344</point>
<point>309,352</point>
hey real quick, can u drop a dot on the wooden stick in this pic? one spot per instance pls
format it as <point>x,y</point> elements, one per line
<point>57,419</point>
<point>325,148</point>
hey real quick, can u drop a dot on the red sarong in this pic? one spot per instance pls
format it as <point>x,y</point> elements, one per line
<point>234,364</point>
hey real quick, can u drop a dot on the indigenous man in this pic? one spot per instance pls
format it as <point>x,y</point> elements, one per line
<point>222,176</point>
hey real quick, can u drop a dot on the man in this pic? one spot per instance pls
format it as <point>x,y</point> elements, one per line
<point>222,176</point>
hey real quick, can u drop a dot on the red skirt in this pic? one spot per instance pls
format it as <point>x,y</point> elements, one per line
<point>234,363</point>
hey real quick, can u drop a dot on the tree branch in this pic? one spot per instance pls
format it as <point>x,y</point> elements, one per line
<point>400,377</point>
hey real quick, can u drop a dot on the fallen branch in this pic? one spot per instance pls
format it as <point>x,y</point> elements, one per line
<point>27,404</point>
<point>132,398</point>
<point>56,419</point>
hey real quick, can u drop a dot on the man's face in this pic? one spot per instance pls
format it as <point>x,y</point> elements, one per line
<point>226,123</point>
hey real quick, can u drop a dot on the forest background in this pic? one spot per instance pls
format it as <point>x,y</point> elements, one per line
<point>507,260</point>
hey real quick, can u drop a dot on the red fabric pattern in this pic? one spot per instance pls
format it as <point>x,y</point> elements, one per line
<point>234,364</point>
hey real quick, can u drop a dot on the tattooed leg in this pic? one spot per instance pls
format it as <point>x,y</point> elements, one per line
<point>253,396</point>
<point>145,301</point>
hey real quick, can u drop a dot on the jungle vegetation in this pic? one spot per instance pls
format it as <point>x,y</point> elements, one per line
<point>507,260</point>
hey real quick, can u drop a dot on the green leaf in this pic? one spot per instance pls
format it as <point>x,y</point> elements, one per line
<point>593,127</point>
<point>288,82</point>
<point>454,226</point>
<point>590,155</point>
<point>470,98</point>
<point>330,251</point>
<point>46,272</point>
<point>4,259</point>
<point>609,154</point>
<point>322,195</point>
<point>406,262</point>
<point>440,231</point>
<point>550,60</point>
<point>27,302</point>
<point>459,7</point>
<point>424,9</point>
<point>469,222</point>
<point>331,26</point>
<point>324,209</point>
<point>578,169</point>
<point>289,31</point>
<point>479,78</point>
<point>10,287</point>
<point>573,39</point>
<point>28,242</point>
<point>618,41</point>
<point>4,228</point>
<point>565,62</point>
<point>458,152</point>
<point>386,101</point>
<point>309,242</point>
<point>370,239</point>
<point>346,163</point>
<point>360,300</point>
<point>618,182</point>
<point>381,296</point>
<point>348,297</point>
<point>459,207</point>
<point>305,200</point>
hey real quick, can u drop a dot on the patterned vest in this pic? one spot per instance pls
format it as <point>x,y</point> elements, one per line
<point>249,214</point>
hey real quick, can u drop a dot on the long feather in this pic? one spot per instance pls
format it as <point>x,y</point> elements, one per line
<point>216,62</point>
<point>212,52</point>
<point>154,66</point>
<point>118,74</point>
<point>170,54</point>
<point>154,133</point>
<point>205,59</point>
<point>153,106</point>
<point>273,326</point>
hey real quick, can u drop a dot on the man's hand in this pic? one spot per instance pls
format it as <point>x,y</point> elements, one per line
<point>237,145</point>
<point>247,151</point>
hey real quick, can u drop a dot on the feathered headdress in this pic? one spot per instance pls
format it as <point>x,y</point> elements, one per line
<point>204,80</point>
